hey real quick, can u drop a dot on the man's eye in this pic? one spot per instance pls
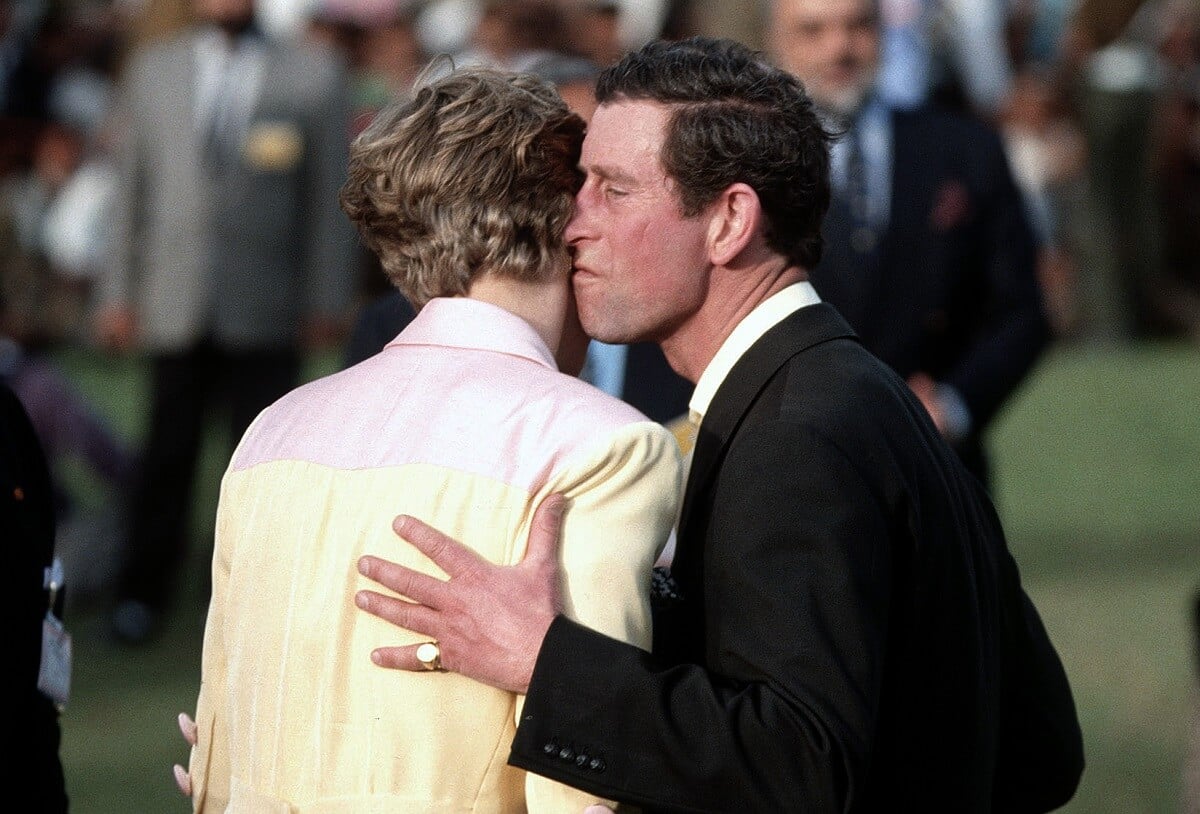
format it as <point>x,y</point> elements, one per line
<point>614,192</point>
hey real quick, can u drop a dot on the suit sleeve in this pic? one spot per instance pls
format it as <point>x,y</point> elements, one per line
<point>621,508</point>
<point>785,725</point>
<point>1040,753</point>
<point>1014,329</point>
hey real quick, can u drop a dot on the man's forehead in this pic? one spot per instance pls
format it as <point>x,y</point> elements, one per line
<point>824,10</point>
<point>634,113</point>
<point>628,129</point>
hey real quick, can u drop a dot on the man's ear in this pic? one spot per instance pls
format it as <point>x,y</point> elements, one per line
<point>735,219</point>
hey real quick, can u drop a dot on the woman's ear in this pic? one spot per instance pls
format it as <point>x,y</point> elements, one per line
<point>735,219</point>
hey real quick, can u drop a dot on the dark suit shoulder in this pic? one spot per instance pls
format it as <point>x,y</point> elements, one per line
<point>845,397</point>
<point>842,386</point>
<point>935,138</point>
<point>934,122</point>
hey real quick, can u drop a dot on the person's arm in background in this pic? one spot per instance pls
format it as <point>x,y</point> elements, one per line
<point>1015,330</point>
<point>69,426</point>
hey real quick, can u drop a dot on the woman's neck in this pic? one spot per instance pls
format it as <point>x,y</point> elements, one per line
<point>544,305</point>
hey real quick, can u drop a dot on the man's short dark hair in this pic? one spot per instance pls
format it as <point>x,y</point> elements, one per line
<point>736,118</point>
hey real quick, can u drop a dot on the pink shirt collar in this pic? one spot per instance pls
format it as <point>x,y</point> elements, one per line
<point>461,322</point>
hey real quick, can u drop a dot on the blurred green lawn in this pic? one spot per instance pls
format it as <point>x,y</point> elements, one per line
<point>1098,484</point>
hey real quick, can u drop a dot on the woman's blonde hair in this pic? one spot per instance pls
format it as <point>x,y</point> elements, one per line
<point>475,175</point>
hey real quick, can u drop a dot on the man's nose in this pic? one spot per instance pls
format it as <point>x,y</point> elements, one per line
<point>843,42</point>
<point>576,225</point>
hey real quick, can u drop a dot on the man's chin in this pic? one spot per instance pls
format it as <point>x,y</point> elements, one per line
<point>845,103</point>
<point>599,330</point>
<point>236,25</point>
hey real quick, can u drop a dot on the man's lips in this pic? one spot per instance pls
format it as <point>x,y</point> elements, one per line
<point>843,72</point>
<point>578,271</point>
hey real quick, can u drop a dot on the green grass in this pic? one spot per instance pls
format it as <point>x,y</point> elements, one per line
<point>1099,488</point>
<point>1098,484</point>
<point>120,736</point>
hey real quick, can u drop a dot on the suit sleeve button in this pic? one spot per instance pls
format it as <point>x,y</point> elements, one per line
<point>566,753</point>
<point>581,760</point>
<point>596,765</point>
<point>550,748</point>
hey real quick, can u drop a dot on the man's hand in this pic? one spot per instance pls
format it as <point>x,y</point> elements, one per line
<point>320,331</point>
<point>926,390</point>
<point>188,728</point>
<point>488,620</point>
<point>116,327</point>
<point>945,406</point>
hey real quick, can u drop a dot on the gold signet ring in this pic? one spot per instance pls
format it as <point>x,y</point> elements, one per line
<point>430,656</point>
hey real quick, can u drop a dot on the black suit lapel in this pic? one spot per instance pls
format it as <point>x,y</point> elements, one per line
<point>802,330</point>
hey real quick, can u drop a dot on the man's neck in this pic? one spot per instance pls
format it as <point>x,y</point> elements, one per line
<point>733,293</point>
<point>842,119</point>
<point>234,31</point>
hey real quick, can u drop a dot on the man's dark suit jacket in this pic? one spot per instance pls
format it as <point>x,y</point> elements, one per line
<point>851,632</point>
<point>951,288</point>
<point>32,732</point>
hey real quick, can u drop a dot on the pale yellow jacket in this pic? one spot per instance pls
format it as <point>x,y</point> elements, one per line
<point>463,422</point>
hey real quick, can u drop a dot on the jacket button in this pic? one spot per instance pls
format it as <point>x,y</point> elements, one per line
<point>550,748</point>
<point>581,760</point>
<point>596,765</point>
<point>566,753</point>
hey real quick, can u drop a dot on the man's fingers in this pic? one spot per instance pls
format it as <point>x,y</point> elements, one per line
<point>416,586</point>
<point>182,780</point>
<point>399,658</point>
<point>545,531</point>
<point>188,727</point>
<point>410,615</point>
<point>451,556</point>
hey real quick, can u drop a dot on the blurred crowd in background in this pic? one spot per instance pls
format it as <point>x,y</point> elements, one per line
<point>1090,114</point>
<point>1098,102</point>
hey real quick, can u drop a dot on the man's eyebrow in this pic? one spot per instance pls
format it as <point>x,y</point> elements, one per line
<point>609,173</point>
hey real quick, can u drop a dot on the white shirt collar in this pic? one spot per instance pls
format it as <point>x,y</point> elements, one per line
<point>765,316</point>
